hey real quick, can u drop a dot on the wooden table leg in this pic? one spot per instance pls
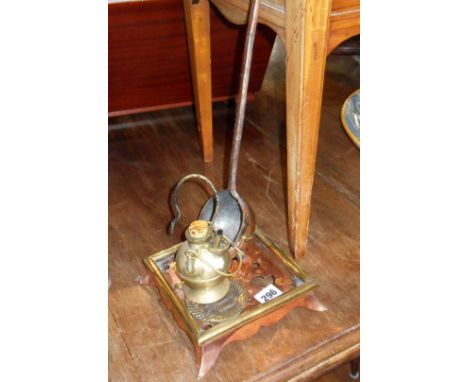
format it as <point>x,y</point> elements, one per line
<point>306,50</point>
<point>197,19</point>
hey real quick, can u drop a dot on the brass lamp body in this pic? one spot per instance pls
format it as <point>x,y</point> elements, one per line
<point>200,262</point>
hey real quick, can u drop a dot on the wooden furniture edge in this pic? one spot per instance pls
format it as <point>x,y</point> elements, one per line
<point>314,363</point>
<point>120,113</point>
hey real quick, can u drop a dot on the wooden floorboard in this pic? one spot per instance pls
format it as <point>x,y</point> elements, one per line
<point>148,153</point>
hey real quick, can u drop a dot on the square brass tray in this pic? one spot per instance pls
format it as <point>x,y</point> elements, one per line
<point>208,340</point>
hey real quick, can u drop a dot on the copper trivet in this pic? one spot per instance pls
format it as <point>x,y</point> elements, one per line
<point>264,263</point>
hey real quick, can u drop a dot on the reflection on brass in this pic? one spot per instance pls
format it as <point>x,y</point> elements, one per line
<point>202,263</point>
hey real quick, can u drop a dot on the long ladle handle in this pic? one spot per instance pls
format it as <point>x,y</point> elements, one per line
<point>242,96</point>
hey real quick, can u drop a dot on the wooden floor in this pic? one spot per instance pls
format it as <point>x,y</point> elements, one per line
<point>148,153</point>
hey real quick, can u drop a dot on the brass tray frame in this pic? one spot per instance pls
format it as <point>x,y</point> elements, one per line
<point>200,337</point>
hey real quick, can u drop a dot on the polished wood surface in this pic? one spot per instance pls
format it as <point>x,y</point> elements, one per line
<point>309,29</point>
<point>344,16</point>
<point>148,59</point>
<point>148,153</point>
<point>345,22</point>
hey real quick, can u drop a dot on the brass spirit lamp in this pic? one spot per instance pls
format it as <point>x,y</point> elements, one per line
<point>203,261</point>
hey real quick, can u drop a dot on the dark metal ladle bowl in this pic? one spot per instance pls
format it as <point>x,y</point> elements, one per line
<point>229,217</point>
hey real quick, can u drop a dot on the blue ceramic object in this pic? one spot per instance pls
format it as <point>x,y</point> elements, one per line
<point>351,117</point>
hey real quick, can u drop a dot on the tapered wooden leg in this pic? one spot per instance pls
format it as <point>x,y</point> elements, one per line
<point>197,20</point>
<point>306,48</point>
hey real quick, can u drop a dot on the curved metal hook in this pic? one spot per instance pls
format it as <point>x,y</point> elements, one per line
<point>175,192</point>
